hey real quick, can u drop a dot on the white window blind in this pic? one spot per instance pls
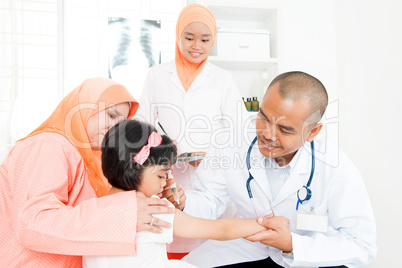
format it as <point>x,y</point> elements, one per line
<point>48,47</point>
<point>28,67</point>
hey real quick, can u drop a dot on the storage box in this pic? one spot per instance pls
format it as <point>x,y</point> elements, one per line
<point>243,44</point>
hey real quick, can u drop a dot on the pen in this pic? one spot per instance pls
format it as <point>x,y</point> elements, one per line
<point>173,186</point>
<point>160,125</point>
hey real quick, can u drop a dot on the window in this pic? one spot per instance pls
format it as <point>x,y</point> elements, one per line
<point>48,47</point>
<point>28,67</point>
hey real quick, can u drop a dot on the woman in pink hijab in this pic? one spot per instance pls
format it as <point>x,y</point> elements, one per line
<point>49,183</point>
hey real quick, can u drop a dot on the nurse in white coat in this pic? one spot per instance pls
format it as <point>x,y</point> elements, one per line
<point>196,102</point>
<point>334,227</point>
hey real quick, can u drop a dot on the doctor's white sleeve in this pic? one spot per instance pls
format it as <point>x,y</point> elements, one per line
<point>209,196</point>
<point>352,238</point>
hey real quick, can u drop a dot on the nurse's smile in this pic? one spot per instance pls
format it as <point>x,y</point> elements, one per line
<point>195,54</point>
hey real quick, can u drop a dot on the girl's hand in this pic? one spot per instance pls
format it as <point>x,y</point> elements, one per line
<point>168,194</point>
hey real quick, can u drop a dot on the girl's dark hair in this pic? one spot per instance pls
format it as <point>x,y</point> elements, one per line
<point>122,142</point>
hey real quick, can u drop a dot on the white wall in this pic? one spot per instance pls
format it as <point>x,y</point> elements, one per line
<point>307,42</point>
<point>355,49</point>
<point>370,95</point>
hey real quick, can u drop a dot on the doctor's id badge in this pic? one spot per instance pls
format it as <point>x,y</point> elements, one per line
<point>309,221</point>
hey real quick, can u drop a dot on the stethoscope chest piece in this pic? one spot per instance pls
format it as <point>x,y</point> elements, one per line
<point>304,193</point>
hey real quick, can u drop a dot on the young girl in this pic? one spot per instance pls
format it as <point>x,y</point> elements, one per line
<point>136,157</point>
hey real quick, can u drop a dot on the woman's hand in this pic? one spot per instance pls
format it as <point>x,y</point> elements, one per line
<point>148,206</point>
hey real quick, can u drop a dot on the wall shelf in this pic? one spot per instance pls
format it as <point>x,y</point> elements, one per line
<point>251,70</point>
<point>234,64</point>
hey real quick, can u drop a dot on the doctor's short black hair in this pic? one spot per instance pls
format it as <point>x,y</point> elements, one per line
<point>122,142</point>
<point>297,84</point>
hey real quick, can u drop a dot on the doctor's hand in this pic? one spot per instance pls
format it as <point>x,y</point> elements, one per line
<point>148,206</point>
<point>277,235</point>
<point>168,194</point>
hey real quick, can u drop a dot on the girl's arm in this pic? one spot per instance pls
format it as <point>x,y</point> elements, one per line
<point>188,226</point>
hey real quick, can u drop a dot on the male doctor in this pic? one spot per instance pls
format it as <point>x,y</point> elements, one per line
<point>315,186</point>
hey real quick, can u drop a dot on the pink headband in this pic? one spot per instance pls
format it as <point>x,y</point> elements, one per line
<point>153,140</point>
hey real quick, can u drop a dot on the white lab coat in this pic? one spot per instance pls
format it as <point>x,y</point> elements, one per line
<point>212,109</point>
<point>337,191</point>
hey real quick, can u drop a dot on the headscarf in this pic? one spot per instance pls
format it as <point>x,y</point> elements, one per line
<point>70,118</point>
<point>186,70</point>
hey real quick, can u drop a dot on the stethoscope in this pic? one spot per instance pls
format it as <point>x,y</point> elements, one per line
<point>303,194</point>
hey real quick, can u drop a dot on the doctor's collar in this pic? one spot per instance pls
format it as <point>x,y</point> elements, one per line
<point>271,163</point>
